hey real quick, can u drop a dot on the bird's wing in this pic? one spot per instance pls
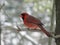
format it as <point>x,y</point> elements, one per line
<point>34,20</point>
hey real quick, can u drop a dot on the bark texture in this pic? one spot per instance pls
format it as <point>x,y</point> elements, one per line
<point>57,31</point>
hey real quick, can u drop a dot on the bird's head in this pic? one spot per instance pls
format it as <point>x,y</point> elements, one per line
<point>23,15</point>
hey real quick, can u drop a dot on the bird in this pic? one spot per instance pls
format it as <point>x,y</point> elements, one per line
<point>33,23</point>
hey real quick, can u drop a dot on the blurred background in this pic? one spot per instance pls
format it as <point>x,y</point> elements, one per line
<point>9,18</point>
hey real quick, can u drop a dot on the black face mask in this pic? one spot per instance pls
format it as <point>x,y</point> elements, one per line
<point>23,16</point>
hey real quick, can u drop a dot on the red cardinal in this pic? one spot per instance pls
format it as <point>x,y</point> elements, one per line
<point>33,23</point>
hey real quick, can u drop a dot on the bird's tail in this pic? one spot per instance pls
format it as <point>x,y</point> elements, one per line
<point>44,30</point>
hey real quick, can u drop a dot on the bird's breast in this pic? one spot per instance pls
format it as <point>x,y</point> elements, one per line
<point>31,25</point>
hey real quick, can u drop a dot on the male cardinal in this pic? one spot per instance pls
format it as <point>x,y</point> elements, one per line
<point>33,23</point>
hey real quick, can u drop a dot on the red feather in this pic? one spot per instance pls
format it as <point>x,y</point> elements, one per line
<point>33,23</point>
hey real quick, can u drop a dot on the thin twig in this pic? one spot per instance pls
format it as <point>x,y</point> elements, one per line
<point>57,36</point>
<point>18,28</point>
<point>2,6</point>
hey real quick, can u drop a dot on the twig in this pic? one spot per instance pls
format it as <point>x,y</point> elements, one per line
<point>18,28</point>
<point>57,36</point>
<point>2,6</point>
